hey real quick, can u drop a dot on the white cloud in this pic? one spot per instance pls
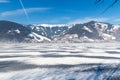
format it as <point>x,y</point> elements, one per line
<point>87,19</point>
<point>21,11</point>
<point>4,1</point>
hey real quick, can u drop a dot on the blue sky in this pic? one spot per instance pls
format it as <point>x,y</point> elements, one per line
<point>58,11</point>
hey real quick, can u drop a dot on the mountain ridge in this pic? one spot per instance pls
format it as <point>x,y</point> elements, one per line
<point>91,31</point>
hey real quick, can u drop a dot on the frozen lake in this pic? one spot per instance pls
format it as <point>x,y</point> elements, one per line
<point>60,61</point>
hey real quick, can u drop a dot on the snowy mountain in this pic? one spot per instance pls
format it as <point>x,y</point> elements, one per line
<point>50,30</point>
<point>92,31</point>
<point>11,31</point>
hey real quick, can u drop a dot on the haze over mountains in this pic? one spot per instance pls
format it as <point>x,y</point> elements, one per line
<point>92,31</point>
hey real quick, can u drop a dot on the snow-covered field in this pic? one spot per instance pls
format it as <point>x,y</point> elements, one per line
<point>60,61</point>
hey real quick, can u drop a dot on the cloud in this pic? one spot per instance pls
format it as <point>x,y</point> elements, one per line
<point>87,19</point>
<point>21,11</point>
<point>4,1</point>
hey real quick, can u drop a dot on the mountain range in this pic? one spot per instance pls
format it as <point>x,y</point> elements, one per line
<point>91,31</point>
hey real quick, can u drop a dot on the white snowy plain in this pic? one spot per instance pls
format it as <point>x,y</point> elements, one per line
<point>60,61</point>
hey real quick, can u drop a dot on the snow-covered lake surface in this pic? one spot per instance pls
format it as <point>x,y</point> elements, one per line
<point>60,61</point>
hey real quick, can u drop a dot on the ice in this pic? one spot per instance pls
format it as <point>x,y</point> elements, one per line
<point>60,61</point>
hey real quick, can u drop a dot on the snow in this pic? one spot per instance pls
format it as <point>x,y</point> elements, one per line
<point>115,27</point>
<point>103,26</point>
<point>17,31</point>
<point>108,37</point>
<point>51,25</point>
<point>86,28</point>
<point>59,61</point>
<point>38,38</point>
